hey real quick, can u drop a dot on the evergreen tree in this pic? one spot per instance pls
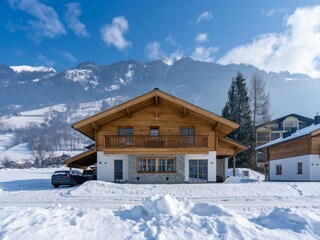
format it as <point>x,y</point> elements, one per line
<point>237,109</point>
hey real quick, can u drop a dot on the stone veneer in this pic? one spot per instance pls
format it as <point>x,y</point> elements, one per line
<point>177,177</point>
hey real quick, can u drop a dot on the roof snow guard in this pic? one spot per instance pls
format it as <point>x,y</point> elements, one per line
<point>311,130</point>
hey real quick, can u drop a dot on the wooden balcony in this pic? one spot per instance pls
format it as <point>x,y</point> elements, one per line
<point>162,141</point>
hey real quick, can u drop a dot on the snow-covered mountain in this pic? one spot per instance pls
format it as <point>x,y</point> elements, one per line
<point>25,68</point>
<point>204,84</point>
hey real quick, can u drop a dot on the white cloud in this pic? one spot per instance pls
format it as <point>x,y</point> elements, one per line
<point>272,11</point>
<point>171,40</point>
<point>296,49</point>
<point>204,54</point>
<point>69,56</point>
<point>72,18</point>
<point>112,34</point>
<point>153,50</point>
<point>205,16</point>
<point>46,22</point>
<point>201,38</point>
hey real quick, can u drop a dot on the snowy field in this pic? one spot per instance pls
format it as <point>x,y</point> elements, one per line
<point>32,209</point>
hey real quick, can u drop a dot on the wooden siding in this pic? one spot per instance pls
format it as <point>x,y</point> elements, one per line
<point>169,121</point>
<point>297,147</point>
<point>315,144</point>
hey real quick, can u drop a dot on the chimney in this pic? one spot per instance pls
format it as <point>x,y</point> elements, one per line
<point>317,119</point>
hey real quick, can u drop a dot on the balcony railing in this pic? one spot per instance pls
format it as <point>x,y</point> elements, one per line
<point>162,141</point>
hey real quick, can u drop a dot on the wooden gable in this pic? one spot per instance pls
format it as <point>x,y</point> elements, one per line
<point>155,98</point>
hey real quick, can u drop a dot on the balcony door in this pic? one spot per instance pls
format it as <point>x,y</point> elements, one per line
<point>125,136</point>
<point>187,136</point>
<point>198,171</point>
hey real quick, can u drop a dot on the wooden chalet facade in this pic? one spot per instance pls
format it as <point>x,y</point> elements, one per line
<point>157,138</point>
<point>296,156</point>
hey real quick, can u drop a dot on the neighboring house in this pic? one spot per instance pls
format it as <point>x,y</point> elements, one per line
<point>276,128</point>
<point>157,138</point>
<point>296,156</point>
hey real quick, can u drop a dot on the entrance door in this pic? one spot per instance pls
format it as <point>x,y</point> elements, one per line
<point>198,171</point>
<point>118,170</point>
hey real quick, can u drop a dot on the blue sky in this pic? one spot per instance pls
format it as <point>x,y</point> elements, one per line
<point>273,35</point>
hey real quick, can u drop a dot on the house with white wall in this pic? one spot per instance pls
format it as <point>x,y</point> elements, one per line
<point>296,156</point>
<point>157,138</point>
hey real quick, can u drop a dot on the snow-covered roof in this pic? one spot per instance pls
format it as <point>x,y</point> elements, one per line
<point>300,133</point>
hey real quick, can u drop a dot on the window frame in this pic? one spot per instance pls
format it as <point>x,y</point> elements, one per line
<point>299,168</point>
<point>154,136</point>
<point>157,160</point>
<point>125,139</point>
<point>279,169</point>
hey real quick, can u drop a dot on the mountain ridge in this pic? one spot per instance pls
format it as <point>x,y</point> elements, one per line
<point>201,83</point>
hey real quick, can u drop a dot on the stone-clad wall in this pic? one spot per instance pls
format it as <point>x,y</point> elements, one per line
<point>177,177</point>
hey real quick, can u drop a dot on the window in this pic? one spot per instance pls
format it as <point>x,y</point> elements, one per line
<point>142,165</point>
<point>299,168</point>
<point>187,136</point>
<point>151,165</point>
<point>170,165</point>
<point>154,133</point>
<point>289,125</point>
<point>274,136</point>
<point>125,136</point>
<point>156,165</point>
<point>279,169</point>
<point>162,163</point>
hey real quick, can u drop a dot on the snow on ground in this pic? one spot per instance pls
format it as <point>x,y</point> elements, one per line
<point>21,153</point>
<point>253,175</point>
<point>6,141</point>
<point>32,209</point>
<point>18,153</point>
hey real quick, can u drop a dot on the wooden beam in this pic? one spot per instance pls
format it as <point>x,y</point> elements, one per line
<point>216,139</point>
<point>95,126</point>
<point>156,101</point>
<point>234,165</point>
<point>129,112</point>
<point>184,114</point>
<point>216,126</point>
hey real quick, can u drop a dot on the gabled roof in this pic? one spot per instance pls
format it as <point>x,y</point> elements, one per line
<point>278,120</point>
<point>311,130</point>
<point>89,125</point>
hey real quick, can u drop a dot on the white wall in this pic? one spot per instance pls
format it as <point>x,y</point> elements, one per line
<point>212,164</point>
<point>290,169</point>
<point>315,167</point>
<point>105,166</point>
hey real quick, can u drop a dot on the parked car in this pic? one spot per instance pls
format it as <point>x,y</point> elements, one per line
<point>90,174</point>
<point>67,177</point>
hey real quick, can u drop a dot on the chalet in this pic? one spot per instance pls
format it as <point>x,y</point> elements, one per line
<point>295,156</point>
<point>275,129</point>
<point>157,138</point>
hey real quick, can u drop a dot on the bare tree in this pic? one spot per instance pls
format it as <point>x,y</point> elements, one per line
<point>260,106</point>
<point>42,151</point>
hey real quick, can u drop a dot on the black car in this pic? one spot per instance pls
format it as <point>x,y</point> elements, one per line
<point>67,177</point>
<point>90,174</point>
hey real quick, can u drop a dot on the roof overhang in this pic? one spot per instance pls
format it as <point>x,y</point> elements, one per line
<point>92,124</point>
<point>82,160</point>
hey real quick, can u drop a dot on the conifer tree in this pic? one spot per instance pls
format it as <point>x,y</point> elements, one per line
<point>237,109</point>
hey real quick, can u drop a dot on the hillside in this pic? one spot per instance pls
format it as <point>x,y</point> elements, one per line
<point>201,83</point>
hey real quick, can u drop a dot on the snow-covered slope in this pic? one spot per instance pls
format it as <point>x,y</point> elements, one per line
<point>25,68</point>
<point>73,113</point>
